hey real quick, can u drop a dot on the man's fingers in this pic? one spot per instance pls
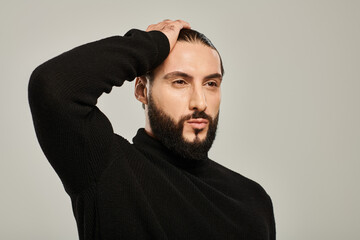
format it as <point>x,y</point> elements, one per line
<point>170,28</point>
<point>158,26</point>
<point>170,24</point>
<point>184,23</point>
<point>179,23</point>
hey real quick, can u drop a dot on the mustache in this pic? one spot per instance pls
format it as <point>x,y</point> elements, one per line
<point>197,114</point>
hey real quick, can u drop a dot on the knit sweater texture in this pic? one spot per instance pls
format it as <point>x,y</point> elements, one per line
<point>139,190</point>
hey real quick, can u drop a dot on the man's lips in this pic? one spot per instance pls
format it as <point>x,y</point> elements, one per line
<point>198,123</point>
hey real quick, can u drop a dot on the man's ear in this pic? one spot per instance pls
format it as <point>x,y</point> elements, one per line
<point>141,89</point>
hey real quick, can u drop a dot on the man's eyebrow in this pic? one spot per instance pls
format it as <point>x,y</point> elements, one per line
<point>176,74</point>
<point>214,75</point>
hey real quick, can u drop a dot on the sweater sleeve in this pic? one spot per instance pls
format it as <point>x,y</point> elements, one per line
<point>74,134</point>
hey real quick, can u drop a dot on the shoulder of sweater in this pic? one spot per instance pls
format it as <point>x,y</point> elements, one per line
<point>237,177</point>
<point>120,139</point>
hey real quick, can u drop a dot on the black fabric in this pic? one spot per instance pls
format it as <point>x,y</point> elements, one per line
<point>141,190</point>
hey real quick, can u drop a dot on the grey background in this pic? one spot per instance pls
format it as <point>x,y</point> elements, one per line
<point>290,111</point>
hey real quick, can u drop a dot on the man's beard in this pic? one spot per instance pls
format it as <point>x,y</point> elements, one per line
<point>170,133</point>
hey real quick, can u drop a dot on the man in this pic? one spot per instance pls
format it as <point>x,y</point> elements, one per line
<point>163,186</point>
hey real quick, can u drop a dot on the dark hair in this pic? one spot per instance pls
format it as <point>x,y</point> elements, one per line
<point>192,36</point>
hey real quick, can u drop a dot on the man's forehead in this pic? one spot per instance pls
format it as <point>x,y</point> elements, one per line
<point>192,59</point>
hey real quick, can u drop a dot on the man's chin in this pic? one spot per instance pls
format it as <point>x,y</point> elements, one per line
<point>194,137</point>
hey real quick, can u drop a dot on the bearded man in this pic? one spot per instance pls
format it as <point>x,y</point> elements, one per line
<point>163,185</point>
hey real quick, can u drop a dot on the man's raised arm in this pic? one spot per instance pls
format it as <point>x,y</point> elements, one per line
<point>74,134</point>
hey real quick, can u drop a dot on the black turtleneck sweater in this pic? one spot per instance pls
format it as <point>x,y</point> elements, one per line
<point>142,190</point>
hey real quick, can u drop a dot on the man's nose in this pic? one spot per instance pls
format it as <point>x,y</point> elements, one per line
<point>198,100</point>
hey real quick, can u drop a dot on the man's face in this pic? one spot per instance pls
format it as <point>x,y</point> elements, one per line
<point>188,81</point>
<point>186,91</point>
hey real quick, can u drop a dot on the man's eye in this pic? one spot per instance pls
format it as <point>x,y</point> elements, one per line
<point>212,84</point>
<point>179,82</point>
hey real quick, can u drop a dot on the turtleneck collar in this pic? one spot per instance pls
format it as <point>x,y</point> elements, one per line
<point>149,145</point>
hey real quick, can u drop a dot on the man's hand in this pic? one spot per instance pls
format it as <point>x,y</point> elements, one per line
<point>170,28</point>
